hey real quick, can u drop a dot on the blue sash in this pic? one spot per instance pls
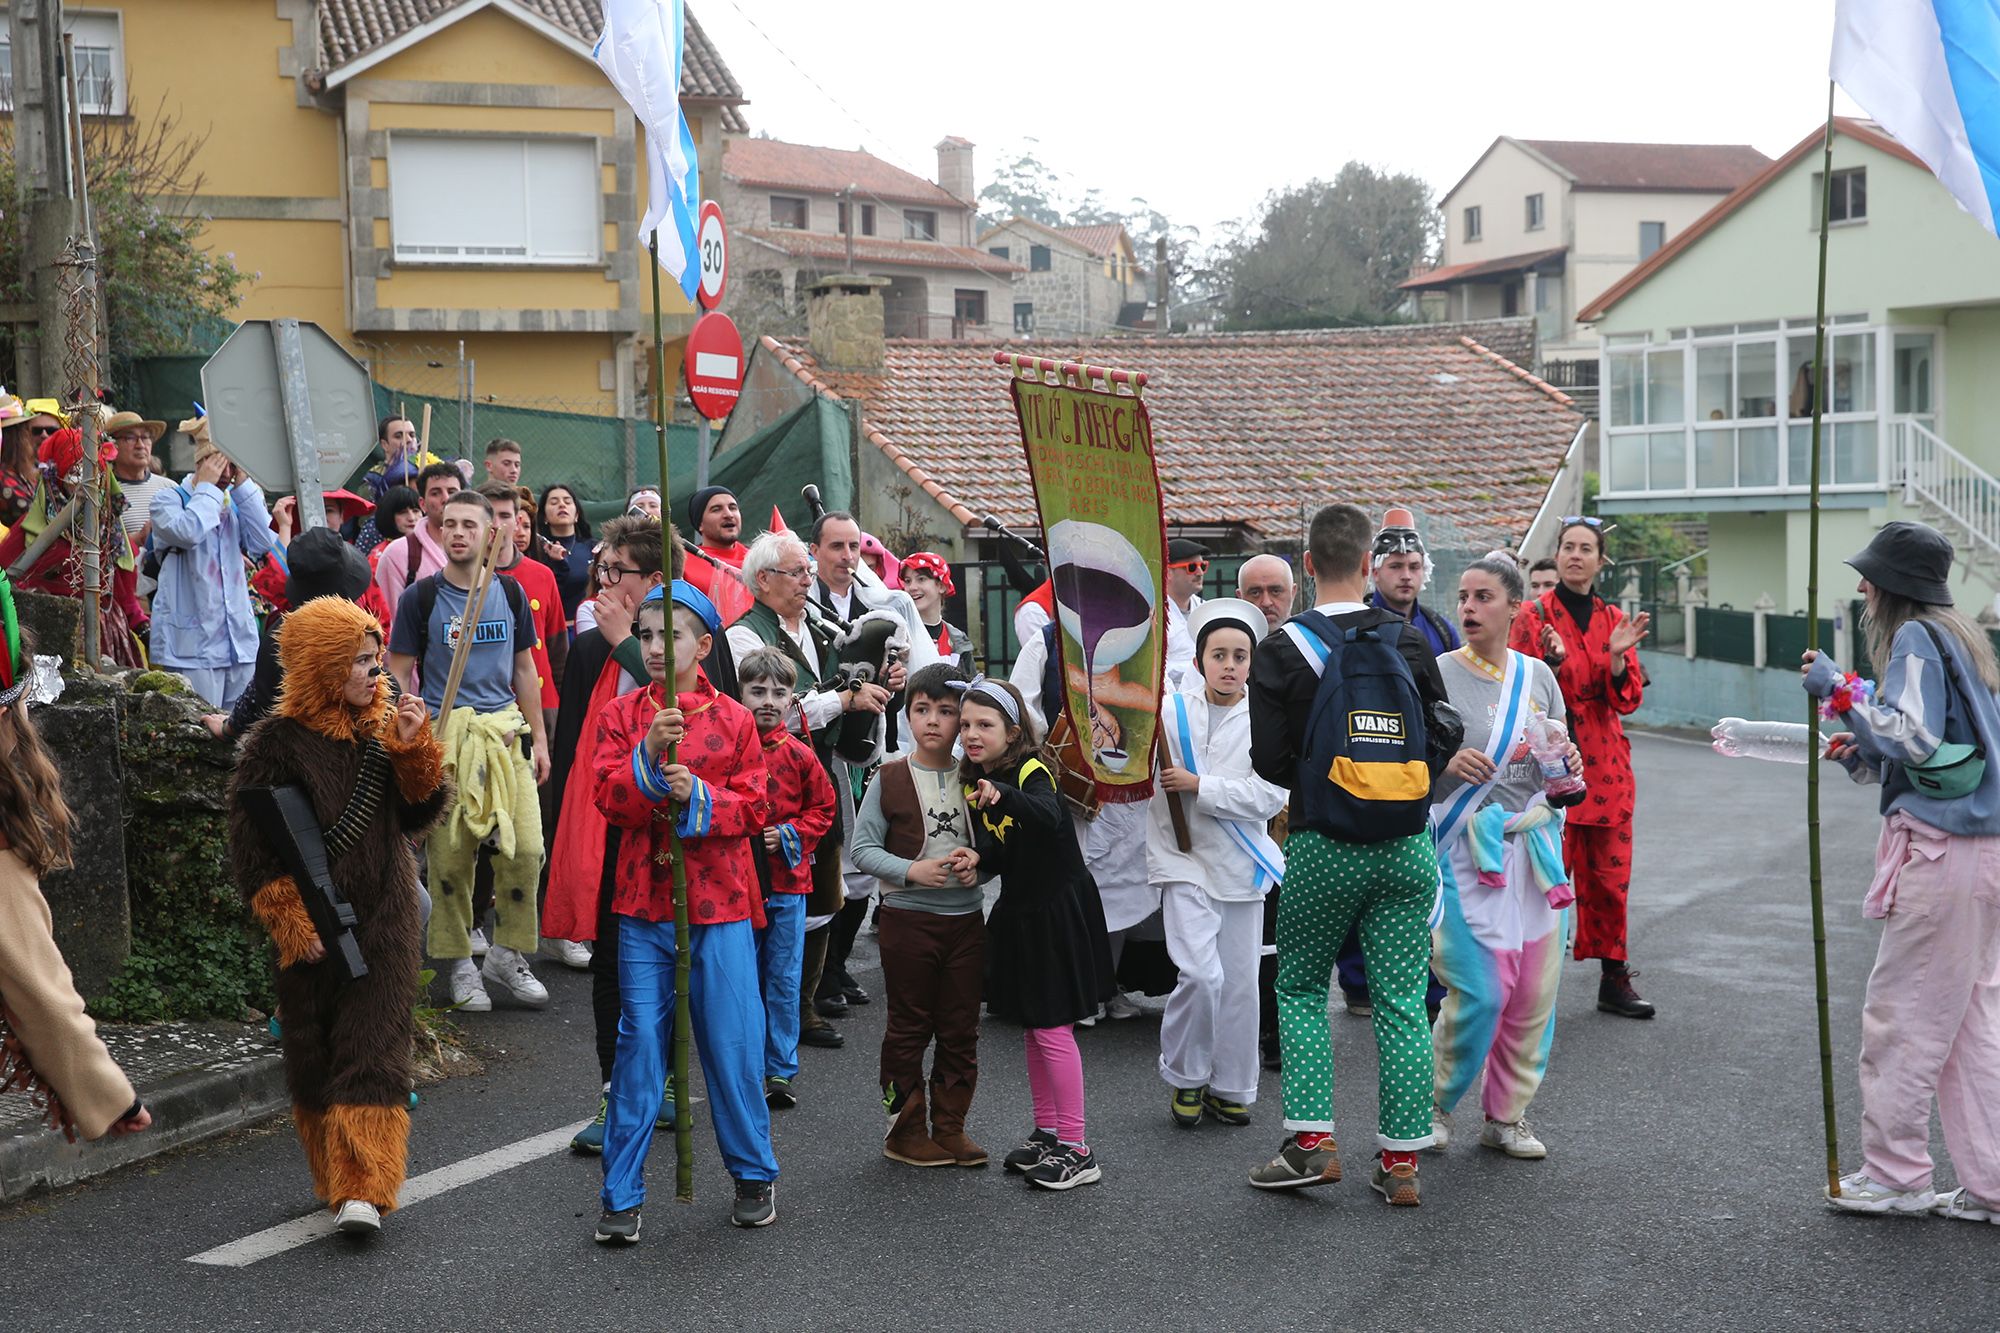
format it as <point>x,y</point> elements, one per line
<point>1254,840</point>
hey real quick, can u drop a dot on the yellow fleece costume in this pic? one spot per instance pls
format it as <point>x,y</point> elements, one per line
<point>346,1042</point>
<point>498,805</point>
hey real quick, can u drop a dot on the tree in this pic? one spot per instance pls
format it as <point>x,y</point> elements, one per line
<point>161,292</point>
<point>1024,187</point>
<point>1328,252</point>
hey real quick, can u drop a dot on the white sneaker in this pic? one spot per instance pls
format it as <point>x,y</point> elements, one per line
<point>1440,1129</point>
<point>1515,1139</point>
<point>1859,1194</point>
<point>479,945</point>
<point>509,971</point>
<point>1121,1006</point>
<point>468,995</point>
<point>570,953</point>
<point>1965,1206</point>
<point>357,1218</point>
<point>1091,1020</point>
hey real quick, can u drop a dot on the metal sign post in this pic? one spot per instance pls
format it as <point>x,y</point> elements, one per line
<point>298,422</point>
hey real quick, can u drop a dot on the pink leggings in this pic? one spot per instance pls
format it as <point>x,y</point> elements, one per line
<point>1055,1080</point>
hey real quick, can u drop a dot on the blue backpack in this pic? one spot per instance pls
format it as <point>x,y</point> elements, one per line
<point>1363,775</point>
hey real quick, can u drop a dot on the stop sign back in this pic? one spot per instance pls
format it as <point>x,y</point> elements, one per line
<point>714,365</point>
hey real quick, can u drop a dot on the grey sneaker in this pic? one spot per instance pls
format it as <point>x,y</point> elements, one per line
<point>1296,1168</point>
<point>1440,1129</point>
<point>1040,1145</point>
<point>1859,1194</point>
<point>756,1203</point>
<point>1965,1206</point>
<point>1397,1184</point>
<point>1513,1138</point>
<point>618,1228</point>
<point>1067,1167</point>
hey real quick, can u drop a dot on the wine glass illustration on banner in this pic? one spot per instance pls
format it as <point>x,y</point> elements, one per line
<point>1105,598</point>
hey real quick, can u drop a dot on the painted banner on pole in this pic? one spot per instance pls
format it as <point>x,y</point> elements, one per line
<point>1089,444</point>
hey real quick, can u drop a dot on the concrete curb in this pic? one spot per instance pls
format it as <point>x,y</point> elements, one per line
<point>186,1109</point>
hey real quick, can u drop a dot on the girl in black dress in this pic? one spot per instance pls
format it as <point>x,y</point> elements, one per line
<point>1048,963</point>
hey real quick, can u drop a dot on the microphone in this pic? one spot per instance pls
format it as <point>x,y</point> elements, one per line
<point>810,494</point>
<point>994,525</point>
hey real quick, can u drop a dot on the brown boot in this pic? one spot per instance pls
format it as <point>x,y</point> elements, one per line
<point>948,1108</point>
<point>909,1141</point>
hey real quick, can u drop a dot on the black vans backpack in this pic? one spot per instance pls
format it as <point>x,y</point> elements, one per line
<point>1363,775</point>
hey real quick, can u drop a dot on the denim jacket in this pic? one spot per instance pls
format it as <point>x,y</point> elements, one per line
<point>202,616</point>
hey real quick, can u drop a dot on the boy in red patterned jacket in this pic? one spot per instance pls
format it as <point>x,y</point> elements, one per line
<point>715,797</point>
<point>800,813</point>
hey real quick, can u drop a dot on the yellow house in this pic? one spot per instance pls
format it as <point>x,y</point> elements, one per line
<point>413,173</point>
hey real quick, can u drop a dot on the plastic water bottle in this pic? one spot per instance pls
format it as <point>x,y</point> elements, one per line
<point>1775,742</point>
<point>1548,740</point>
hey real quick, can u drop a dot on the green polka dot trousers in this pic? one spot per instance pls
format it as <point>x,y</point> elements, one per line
<point>1389,889</point>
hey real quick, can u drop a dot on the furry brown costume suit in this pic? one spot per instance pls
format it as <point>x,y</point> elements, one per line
<point>346,1043</point>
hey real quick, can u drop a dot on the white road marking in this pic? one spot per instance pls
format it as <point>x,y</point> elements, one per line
<point>319,1225</point>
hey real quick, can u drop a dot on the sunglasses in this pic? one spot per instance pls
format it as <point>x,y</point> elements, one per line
<point>43,430</point>
<point>1195,566</point>
<point>1585,519</point>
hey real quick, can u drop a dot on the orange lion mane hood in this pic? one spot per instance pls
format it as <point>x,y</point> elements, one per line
<point>317,643</point>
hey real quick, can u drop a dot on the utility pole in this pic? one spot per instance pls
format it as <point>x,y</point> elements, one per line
<point>1163,280</point>
<point>42,167</point>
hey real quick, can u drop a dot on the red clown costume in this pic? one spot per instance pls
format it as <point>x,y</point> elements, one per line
<point>1597,835</point>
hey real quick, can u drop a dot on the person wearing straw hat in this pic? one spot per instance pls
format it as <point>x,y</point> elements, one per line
<point>17,459</point>
<point>135,437</point>
<point>1930,1026</point>
<point>203,624</point>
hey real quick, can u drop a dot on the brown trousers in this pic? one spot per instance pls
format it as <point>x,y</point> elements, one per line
<point>933,971</point>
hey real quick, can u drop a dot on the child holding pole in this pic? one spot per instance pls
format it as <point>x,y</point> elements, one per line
<point>716,799</point>
<point>1048,963</point>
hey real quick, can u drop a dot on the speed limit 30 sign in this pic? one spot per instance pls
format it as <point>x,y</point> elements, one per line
<point>711,245</point>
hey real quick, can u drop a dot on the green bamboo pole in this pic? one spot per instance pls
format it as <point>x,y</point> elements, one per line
<point>1812,644</point>
<point>683,1033</point>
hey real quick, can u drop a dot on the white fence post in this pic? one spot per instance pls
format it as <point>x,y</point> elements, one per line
<point>1691,602</point>
<point>1760,629</point>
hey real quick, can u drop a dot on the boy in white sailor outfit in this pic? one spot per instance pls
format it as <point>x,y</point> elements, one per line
<point>1212,894</point>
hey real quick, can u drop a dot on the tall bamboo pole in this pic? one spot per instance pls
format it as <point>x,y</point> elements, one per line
<point>683,1032</point>
<point>1812,645</point>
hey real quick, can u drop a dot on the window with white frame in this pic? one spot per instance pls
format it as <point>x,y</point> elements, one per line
<point>1472,223</point>
<point>477,199</point>
<point>100,61</point>
<point>1850,197</point>
<point>1534,212</point>
<point>1728,409</point>
<point>1652,235</point>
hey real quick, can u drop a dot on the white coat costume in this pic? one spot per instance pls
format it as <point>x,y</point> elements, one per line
<point>1212,895</point>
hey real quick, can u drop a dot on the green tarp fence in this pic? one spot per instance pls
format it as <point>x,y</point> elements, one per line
<point>808,445</point>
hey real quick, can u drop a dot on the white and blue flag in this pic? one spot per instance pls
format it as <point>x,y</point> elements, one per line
<point>1929,72</point>
<point>640,52</point>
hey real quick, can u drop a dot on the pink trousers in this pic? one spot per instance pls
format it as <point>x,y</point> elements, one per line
<point>1055,1081</point>
<point>1930,1027</point>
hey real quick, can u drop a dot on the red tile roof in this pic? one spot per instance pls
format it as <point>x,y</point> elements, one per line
<point>1712,167</point>
<point>798,166</point>
<point>832,247</point>
<point>350,29</point>
<point>1864,131</point>
<point>1101,239</point>
<point>1482,268</point>
<point>1252,429</point>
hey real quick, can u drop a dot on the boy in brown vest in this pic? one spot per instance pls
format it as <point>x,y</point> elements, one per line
<point>913,833</point>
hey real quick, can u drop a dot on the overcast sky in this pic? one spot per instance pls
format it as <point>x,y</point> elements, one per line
<point>1203,108</point>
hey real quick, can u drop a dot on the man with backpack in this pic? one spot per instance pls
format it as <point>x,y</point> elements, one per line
<point>498,812</point>
<point>1342,701</point>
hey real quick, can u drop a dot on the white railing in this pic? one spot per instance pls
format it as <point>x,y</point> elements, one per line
<point>1937,475</point>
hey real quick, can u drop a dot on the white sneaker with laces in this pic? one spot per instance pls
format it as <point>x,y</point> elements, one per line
<point>1440,1129</point>
<point>570,953</point>
<point>1859,1194</point>
<point>508,970</point>
<point>468,994</point>
<point>1964,1206</point>
<point>1515,1139</point>
<point>1120,1006</point>
<point>357,1217</point>
<point>1091,1020</point>
<point>479,945</point>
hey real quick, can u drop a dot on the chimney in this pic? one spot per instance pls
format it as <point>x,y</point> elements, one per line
<point>844,324</point>
<point>955,169</point>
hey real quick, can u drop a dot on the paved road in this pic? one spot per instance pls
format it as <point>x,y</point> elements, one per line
<point>1681,1187</point>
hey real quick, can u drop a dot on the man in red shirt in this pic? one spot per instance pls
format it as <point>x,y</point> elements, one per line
<point>717,521</point>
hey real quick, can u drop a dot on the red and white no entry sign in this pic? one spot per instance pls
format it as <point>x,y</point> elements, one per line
<point>714,365</point>
<point>711,246</point>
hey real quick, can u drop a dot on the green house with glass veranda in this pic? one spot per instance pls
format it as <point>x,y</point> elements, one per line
<point>1707,373</point>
